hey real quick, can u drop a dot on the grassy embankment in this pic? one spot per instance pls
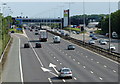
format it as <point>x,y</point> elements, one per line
<point>74,29</point>
<point>16,31</point>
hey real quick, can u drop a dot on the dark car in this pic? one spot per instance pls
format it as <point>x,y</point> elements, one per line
<point>36,33</point>
<point>12,31</point>
<point>36,30</point>
<point>26,45</point>
<point>67,34</point>
<point>94,38</point>
<point>38,45</point>
<point>91,31</point>
<point>71,47</point>
<point>77,32</point>
<point>91,35</point>
<point>30,29</point>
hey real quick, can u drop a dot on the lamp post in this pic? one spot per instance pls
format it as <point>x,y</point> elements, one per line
<point>61,13</point>
<point>109,27</point>
<point>83,21</point>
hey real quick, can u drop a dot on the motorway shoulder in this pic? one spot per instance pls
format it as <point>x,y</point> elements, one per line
<point>11,71</point>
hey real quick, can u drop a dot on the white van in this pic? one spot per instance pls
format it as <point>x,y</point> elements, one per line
<point>56,39</point>
<point>114,35</point>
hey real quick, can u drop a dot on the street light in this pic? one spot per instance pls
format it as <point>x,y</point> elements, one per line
<point>83,21</point>
<point>61,13</point>
<point>109,26</point>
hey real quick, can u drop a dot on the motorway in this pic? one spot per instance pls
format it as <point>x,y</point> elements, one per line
<point>115,42</point>
<point>86,65</point>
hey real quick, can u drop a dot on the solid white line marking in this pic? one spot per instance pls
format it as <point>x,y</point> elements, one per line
<point>60,63</point>
<point>57,60</point>
<point>53,73</point>
<point>50,81</point>
<point>54,57</point>
<point>86,56</point>
<point>20,60</point>
<point>66,54</point>
<point>78,62</point>
<point>35,53</point>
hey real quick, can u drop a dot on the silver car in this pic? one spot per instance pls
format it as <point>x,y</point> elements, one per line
<point>91,41</point>
<point>103,42</point>
<point>65,72</point>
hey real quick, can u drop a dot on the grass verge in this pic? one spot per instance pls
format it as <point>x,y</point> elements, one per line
<point>16,31</point>
<point>72,29</point>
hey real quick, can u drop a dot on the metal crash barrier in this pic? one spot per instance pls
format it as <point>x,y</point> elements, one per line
<point>109,54</point>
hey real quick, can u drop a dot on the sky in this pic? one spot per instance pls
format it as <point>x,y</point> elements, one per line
<point>58,0</point>
<point>55,9</point>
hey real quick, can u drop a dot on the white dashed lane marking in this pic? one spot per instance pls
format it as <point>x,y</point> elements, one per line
<point>84,67</point>
<point>73,59</point>
<point>105,66</point>
<point>114,71</point>
<point>91,72</point>
<point>97,62</point>
<point>100,78</point>
<point>75,78</point>
<point>91,59</point>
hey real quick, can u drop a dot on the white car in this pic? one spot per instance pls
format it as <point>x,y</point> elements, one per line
<point>65,72</point>
<point>91,41</point>
<point>74,32</point>
<point>112,47</point>
<point>103,42</point>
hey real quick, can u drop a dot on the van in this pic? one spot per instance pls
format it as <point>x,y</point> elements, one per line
<point>56,39</point>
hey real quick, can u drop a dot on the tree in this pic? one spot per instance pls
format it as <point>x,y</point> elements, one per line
<point>115,23</point>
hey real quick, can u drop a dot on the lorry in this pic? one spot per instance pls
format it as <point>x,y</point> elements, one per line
<point>43,35</point>
<point>56,39</point>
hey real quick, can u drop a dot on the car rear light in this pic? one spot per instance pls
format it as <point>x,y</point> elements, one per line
<point>70,73</point>
<point>62,72</point>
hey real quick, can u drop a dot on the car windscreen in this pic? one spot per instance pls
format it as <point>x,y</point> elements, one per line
<point>65,70</point>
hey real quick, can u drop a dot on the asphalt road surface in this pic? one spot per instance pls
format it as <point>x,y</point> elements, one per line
<point>86,65</point>
<point>115,42</point>
<point>35,63</point>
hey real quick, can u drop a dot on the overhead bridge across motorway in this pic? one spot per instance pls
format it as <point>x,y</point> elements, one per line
<point>39,20</point>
